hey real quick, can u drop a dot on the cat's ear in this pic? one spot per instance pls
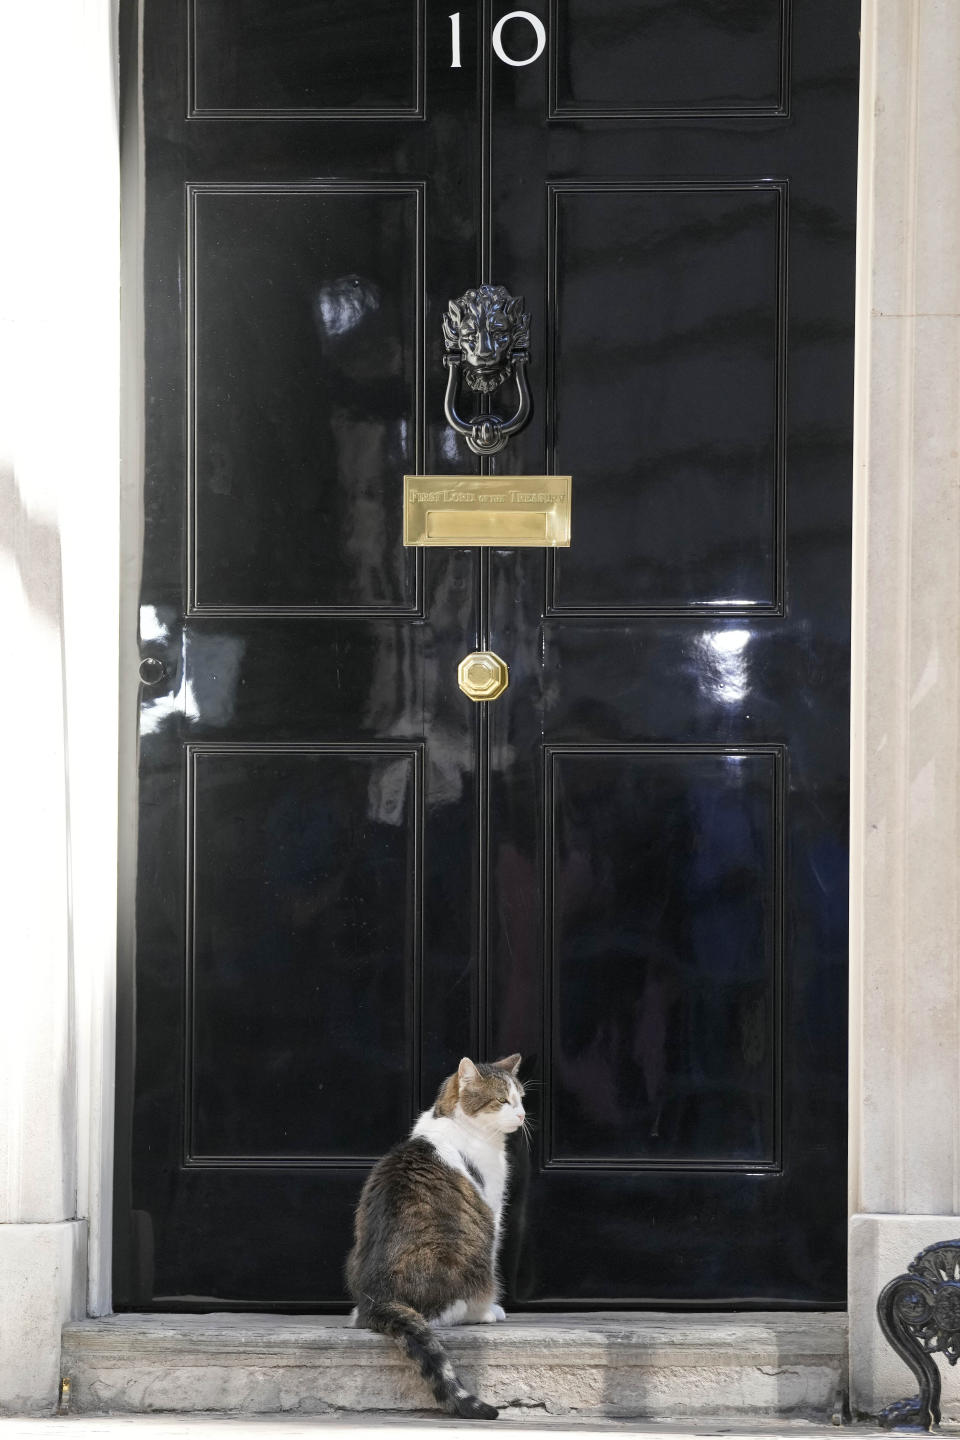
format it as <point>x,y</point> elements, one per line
<point>467,1070</point>
<point>511,1063</point>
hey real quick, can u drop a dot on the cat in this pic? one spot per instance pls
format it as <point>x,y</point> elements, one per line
<point>428,1223</point>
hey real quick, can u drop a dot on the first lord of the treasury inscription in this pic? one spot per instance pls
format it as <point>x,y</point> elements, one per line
<point>507,510</point>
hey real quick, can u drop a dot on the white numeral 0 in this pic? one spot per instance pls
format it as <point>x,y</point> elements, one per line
<point>496,38</point>
<point>538,30</point>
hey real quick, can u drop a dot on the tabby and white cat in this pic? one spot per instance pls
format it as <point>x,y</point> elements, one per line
<point>427,1228</point>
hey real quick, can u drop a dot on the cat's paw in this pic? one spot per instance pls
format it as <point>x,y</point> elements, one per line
<point>352,1317</point>
<point>494,1313</point>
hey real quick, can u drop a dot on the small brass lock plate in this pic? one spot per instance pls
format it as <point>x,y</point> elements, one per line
<point>483,675</point>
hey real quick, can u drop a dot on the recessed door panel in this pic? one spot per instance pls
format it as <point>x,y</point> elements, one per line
<point>669,57</point>
<point>666,392</point>
<point>286,58</point>
<point>663,941</point>
<point>306,354</point>
<point>302,986</point>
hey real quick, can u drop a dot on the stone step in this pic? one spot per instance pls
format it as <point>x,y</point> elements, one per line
<point>638,1365</point>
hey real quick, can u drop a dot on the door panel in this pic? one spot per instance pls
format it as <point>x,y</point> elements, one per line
<point>669,58</point>
<point>631,866</point>
<point>690,382</point>
<point>317,289</point>
<point>662,957</point>
<point>296,982</point>
<point>281,58</point>
<point>665,292</point>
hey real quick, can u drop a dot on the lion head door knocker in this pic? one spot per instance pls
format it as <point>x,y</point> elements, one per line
<point>486,335</point>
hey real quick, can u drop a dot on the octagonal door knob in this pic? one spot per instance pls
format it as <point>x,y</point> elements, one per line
<point>482,675</point>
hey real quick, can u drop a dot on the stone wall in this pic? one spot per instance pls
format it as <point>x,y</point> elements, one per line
<point>905,1072</point>
<point>59,561</point>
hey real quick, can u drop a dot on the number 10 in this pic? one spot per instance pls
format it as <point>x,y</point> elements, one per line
<point>496,39</point>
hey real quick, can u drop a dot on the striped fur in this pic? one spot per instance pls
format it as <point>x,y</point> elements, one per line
<point>427,1226</point>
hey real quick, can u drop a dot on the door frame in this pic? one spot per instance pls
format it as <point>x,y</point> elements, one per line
<point>102,1003</point>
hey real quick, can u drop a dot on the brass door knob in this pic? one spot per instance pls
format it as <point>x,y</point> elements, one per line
<point>482,675</point>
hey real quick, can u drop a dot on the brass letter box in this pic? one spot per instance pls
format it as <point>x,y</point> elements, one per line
<point>503,510</point>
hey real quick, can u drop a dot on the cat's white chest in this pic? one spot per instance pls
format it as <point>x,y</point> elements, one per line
<point>492,1167</point>
<point>483,1161</point>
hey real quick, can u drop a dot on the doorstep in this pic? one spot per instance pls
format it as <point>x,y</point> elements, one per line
<point>589,1366</point>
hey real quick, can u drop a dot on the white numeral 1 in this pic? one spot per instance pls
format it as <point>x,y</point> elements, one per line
<point>455,41</point>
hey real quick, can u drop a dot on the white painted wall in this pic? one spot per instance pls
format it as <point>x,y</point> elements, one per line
<point>905,1036</point>
<point>59,558</point>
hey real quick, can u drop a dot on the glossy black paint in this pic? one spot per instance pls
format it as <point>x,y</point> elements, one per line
<point>631,866</point>
<point>319,360</point>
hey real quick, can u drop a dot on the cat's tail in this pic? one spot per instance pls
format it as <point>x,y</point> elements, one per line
<point>412,1333</point>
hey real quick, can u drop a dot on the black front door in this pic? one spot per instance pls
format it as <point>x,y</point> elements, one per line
<point>631,866</point>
